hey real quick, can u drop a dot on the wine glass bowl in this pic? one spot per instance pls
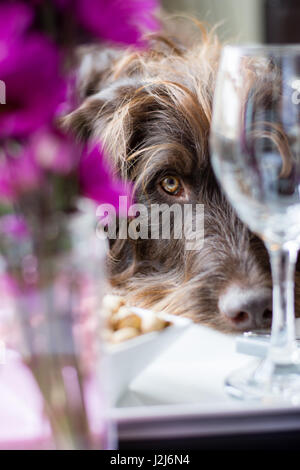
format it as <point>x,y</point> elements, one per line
<point>255,147</point>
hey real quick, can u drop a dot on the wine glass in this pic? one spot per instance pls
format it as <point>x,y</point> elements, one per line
<point>255,147</point>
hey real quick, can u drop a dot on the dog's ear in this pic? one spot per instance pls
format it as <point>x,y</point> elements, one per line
<point>131,102</point>
<point>92,76</point>
<point>104,113</point>
<point>106,82</point>
<point>96,64</point>
<point>106,116</point>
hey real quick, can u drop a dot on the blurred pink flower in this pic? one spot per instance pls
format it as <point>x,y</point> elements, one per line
<point>6,190</point>
<point>30,69</point>
<point>118,20</point>
<point>54,151</point>
<point>13,226</point>
<point>96,181</point>
<point>18,173</point>
<point>14,19</point>
<point>8,285</point>
<point>24,168</point>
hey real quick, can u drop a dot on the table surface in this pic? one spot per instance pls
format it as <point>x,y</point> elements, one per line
<point>181,397</point>
<point>192,370</point>
<point>186,381</point>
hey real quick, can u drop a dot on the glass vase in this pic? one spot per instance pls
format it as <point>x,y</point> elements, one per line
<point>56,276</point>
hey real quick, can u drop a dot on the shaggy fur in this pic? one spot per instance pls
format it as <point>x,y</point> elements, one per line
<point>152,109</point>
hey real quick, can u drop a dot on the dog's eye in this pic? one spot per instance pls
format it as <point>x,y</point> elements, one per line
<point>171,185</point>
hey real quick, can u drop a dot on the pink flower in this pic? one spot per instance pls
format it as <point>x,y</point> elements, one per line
<point>24,168</point>
<point>120,21</point>
<point>96,181</point>
<point>8,285</point>
<point>6,190</point>
<point>13,226</point>
<point>19,173</point>
<point>30,69</point>
<point>54,151</point>
<point>14,19</point>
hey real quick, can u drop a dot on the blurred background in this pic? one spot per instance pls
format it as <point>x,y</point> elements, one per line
<point>271,21</point>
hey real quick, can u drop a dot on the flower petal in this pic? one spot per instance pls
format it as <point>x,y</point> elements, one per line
<point>34,86</point>
<point>96,180</point>
<point>118,20</point>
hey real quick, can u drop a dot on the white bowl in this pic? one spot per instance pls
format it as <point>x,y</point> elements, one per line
<point>127,360</point>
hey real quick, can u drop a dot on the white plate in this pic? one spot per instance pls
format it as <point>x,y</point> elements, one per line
<point>182,393</point>
<point>125,361</point>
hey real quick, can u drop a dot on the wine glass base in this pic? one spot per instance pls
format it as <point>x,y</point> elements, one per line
<point>266,382</point>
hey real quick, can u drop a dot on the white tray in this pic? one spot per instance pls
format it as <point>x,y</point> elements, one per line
<point>182,394</point>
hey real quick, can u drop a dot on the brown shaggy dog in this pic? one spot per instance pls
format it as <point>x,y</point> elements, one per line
<point>152,109</point>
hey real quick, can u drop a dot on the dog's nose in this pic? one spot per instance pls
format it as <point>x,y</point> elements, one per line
<point>246,308</point>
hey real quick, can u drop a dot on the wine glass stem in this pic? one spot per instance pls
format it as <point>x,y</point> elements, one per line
<point>283,342</point>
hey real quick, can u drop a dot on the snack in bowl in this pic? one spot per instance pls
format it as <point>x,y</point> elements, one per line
<point>134,338</point>
<point>122,323</point>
